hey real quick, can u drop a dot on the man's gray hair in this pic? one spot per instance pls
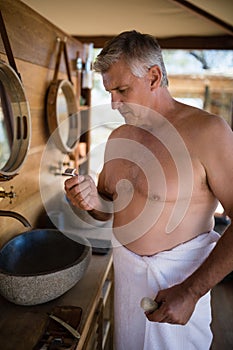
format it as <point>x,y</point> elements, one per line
<point>140,52</point>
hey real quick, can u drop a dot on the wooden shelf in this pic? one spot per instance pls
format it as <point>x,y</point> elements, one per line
<point>106,332</point>
<point>84,108</point>
<point>82,160</point>
<point>106,290</point>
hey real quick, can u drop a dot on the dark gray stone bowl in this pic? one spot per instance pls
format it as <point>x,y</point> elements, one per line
<point>41,265</point>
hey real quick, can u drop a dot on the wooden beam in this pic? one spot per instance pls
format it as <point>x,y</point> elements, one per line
<point>186,4</point>
<point>221,42</point>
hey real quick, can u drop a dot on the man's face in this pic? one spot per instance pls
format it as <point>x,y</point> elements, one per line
<point>128,92</point>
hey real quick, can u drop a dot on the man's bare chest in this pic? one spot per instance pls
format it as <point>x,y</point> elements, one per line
<point>149,167</point>
<point>149,174</point>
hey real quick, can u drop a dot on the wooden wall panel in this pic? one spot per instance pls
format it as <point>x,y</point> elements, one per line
<point>220,91</point>
<point>196,83</point>
<point>34,44</point>
<point>33,38</point>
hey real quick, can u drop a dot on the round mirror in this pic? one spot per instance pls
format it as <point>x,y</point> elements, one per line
<point>62,114</point>
<point>15,123</point>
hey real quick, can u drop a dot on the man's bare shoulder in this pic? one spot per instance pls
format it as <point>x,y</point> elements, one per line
<point>213,128</point>
<point>122,131</point>
<point>209,138</point>
<point>202,123</point>
<point>209,121</point>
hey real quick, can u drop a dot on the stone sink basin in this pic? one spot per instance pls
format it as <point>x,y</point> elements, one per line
<point>41,265</point>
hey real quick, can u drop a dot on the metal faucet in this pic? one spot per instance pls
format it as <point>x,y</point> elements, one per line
<point>4,194</point>
<point>15,215</point>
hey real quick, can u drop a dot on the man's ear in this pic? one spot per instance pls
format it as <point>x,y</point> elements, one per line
<point>155,76</point>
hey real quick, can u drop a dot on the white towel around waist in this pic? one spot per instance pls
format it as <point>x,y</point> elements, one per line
<point>136,277</point>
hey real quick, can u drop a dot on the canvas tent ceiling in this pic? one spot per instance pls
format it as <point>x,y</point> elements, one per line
<point>162,18</point>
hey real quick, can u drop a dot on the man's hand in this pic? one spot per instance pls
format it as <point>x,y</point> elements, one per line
<point>176,305</point>
<point>82,192</point>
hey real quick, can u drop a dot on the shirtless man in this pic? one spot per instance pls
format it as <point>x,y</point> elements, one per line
<point>165,171</point>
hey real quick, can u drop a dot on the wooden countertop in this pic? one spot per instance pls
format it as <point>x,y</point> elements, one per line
<point>22,326</point>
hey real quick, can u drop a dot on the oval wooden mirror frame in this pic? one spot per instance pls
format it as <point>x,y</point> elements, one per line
<point>21,121</point>
<point>56,127</point>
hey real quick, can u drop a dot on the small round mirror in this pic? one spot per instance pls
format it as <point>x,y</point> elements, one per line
<point>15,123</point>
<point>62,114</point>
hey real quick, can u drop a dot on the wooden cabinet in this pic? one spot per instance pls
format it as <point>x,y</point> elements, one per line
<point>22,326</point>
<point>100,335</point>
<point>108,312</point>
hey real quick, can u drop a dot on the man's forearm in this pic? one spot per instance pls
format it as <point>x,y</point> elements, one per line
<point>103,210</point>
<point>218,264</point>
